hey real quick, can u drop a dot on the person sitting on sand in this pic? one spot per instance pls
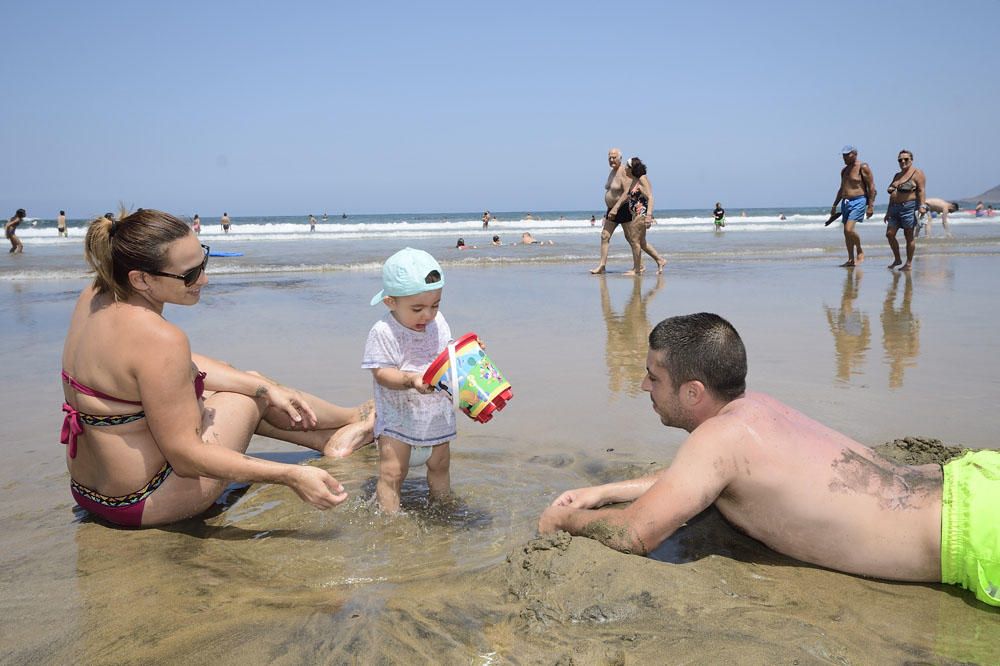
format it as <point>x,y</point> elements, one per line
<point>856,197</point>
<point>415,423</point>
<point>797,486</point>
<point>154,432</point>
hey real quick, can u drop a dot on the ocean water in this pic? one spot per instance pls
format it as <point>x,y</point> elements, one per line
<point>362,242</point>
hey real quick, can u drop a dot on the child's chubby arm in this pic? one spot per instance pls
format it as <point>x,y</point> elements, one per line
<point>396,379</point>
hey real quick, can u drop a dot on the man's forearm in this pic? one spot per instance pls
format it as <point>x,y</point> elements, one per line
<point>609,526</point>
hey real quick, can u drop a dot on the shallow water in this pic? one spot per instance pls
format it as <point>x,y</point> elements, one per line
<point>267,579</point>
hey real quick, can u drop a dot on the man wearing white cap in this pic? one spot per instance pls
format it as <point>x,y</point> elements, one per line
<point>856,197</point>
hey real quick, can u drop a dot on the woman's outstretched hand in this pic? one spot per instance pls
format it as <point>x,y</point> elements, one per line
<point>315,486</point>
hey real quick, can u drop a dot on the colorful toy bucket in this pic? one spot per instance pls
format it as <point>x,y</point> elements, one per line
<point>482,390</point>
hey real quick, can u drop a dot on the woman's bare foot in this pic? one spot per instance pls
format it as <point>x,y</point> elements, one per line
<point>848,264</point>
<point>630,273</point>
<point>353,436</point>
<point>898,262</point>
<point>905,267</point>
<point>659,266</point>
<point>597,271</point>
<point>861,257</point>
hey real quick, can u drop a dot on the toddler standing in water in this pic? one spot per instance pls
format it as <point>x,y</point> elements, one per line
<point>413,424</point>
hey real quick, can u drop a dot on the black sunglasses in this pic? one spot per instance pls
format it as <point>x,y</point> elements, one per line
<point>191,276</point>
<point>904,159</point>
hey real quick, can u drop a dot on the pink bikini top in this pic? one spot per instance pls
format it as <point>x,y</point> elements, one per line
<point>74,420</point>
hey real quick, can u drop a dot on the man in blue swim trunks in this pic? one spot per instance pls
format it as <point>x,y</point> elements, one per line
<point>856,197</point>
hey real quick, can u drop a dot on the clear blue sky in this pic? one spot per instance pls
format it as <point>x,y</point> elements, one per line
<point>298,107</point>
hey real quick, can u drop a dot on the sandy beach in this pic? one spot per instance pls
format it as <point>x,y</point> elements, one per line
<point>266,579</point>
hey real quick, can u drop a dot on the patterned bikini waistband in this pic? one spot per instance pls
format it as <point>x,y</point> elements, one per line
<point>131,498</point>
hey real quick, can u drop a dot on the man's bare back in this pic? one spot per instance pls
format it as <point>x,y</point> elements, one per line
<point>815,494</point>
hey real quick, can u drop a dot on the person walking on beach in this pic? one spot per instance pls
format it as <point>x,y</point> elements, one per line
<point>720,216</point>
<point>10,230</point>
<point>414,424</point>
<point>856,197</point>
<point>799,487</point>
<point>61,224</point>
<point>907,193</point>
<point>225,222</point>
<point>614,187</point>
<point>154,433</point>
<point>639,198</point>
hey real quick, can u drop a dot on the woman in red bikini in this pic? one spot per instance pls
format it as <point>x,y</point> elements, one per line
<point>155,433</point>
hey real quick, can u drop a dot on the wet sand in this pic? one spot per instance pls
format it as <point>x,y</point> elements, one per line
<point>264,578</point>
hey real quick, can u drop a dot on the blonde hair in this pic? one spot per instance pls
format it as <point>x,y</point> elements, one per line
<point>136,241</point>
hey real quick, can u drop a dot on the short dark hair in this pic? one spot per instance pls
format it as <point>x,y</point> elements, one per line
<point>703,347</point>
<point>637,168</point>
<point>62,212</point>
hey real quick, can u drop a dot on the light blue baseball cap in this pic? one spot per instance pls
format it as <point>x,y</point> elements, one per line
<point>848,149</point>
<point>405,274</point>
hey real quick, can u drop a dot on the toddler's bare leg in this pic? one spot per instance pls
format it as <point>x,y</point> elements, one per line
<point>393,464</point>
<point>439,471</point>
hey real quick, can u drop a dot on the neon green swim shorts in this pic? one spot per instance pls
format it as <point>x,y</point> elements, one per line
<point>970,524</point>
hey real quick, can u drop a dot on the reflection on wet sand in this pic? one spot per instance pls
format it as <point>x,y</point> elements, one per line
<point>851,328</point>
<point>900,330</point>
<point>625,352</point>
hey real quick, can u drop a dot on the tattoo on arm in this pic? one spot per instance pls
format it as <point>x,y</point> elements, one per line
<point>260,392</point>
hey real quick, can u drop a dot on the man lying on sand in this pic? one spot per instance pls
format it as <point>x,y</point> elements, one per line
<point>799,487</point>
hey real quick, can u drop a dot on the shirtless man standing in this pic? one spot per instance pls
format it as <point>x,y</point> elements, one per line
<point>614,187</point>
<point>856,197</point>
<point>799,487</point>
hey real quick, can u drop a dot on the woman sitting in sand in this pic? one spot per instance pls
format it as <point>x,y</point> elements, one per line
<point>154,432</point>
<point>639,196</point>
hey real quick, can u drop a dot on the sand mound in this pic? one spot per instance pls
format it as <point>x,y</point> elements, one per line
<point>918,451</point>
